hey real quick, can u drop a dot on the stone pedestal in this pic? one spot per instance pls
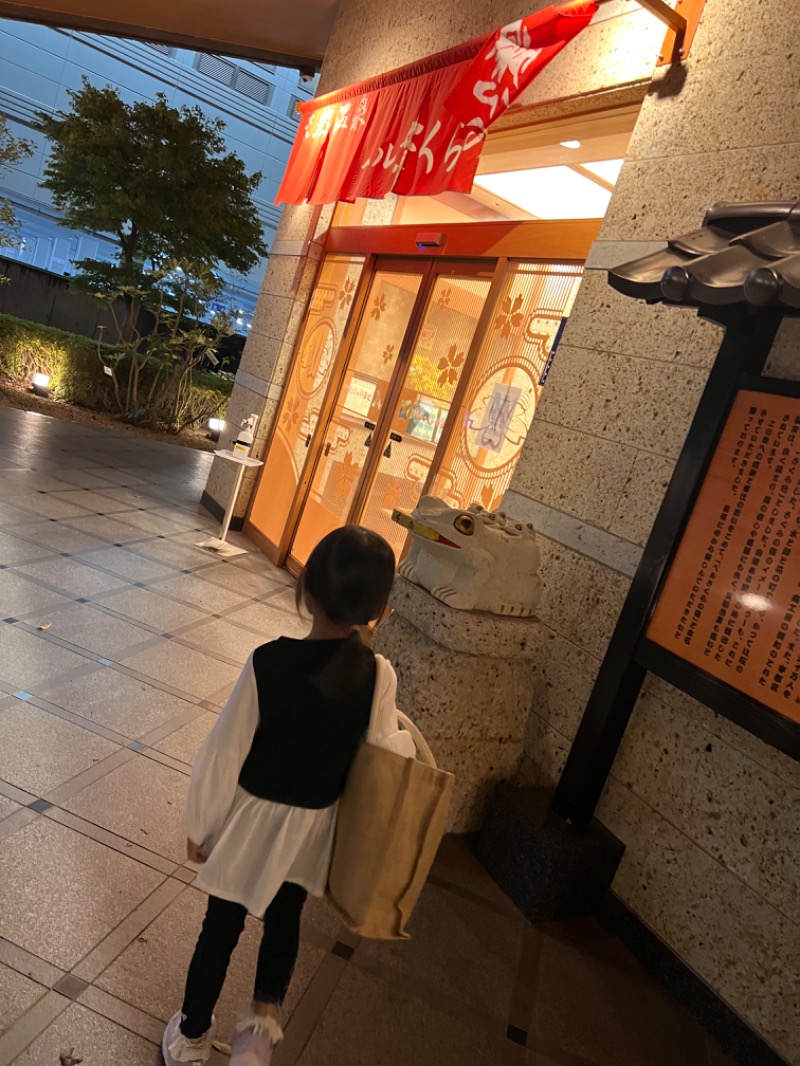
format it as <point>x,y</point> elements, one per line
<point>465,679</point>
<point>550,869</point>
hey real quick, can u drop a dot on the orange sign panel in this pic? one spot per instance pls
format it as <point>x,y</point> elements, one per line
<point>731,602</point>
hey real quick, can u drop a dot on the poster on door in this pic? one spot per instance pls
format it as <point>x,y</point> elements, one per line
<point>730,604</point>
<point>498,417</point>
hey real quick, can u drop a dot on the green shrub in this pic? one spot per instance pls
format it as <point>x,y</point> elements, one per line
<point>76,370</point>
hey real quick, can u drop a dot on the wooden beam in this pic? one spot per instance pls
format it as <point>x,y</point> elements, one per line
<point>271,31</point>
<point>557,241</point>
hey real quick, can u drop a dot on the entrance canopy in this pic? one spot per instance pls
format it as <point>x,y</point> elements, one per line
<point>419,130</point>
<point>286,32</point>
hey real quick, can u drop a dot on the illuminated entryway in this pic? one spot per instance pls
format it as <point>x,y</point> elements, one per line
<point>411,376</point>
<point>419,369</point>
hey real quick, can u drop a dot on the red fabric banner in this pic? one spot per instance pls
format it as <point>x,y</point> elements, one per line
<point>423,134</point>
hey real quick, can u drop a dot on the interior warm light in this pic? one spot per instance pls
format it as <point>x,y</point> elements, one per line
<point>549,192</point>
<point>570,144</point>
<point>607,169</point>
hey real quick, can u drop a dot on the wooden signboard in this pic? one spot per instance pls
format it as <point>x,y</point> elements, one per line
<point>730,603</point>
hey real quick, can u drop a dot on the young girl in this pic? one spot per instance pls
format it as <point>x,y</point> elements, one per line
<point>262,803</point>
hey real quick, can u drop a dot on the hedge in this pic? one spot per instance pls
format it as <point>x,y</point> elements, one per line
<point>76,373</point>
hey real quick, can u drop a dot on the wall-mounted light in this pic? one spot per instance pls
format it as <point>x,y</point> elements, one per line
<point>570,144</point>
<point>40,383</point>
<point>215,427</point>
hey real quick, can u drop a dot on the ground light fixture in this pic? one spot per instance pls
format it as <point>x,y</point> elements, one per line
<point>215,427</point>
<point>41,383</point>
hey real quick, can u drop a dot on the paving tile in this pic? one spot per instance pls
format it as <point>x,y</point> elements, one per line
<point>14,516</point>
<point>145,606</point>
<point>185,742</point>
<point>126,564</point>
<point>89,501</point>
<point>284,599</point>
<point>151,522</point>
<point>624,1017</point>
<point>61,893</point>
<point>271,622</point>
<point>250,583</point>
<point>203,594</point>
<point>131,497</point>
<point>107,529</point>
<point>94,630</point>
<point>17,994</point>
<point>183,669</point>
<point>83,478</point>
<point>456,865</point>
<point>117,701</point>
<point>151,972</point>
<point>172,554</point>
<point>39,751</point>
<point>19,595</point>
<point>7,806</point>
<point>15,550</point>
<point>27,660</point>
<point>153,821</point>
<point>96,1042</point>
<point>47,504</point>
<point>448,934</point>
<point>408,1030</point>
<point>57,536</point>
<point>71,577</point>
<point>221,638</point>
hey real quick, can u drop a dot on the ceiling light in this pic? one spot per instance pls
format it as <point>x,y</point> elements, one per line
<point>549,192</point>
<point>570,144</point>
<point>607,169</point>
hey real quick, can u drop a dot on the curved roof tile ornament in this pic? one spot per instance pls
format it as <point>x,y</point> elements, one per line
<point>747,254</point>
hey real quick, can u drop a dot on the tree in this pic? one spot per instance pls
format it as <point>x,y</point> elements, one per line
<point>176,296</point>
<point>156,177</point>
<point>12,151</point>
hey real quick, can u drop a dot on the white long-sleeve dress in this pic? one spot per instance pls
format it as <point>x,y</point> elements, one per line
<point>254,845</point>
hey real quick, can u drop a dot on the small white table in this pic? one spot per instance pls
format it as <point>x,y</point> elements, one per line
<point>218,545</point>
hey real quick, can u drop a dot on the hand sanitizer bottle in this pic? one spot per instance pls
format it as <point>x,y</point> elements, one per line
<point>244,441</point>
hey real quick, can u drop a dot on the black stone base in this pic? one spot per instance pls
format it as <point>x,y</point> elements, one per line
<point>218,511</point>
<point>550,870</point>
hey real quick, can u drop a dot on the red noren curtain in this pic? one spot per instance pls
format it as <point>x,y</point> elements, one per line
<point>419,131</point>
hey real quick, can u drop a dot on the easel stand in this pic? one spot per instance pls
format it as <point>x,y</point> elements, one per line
<point>219,545</point>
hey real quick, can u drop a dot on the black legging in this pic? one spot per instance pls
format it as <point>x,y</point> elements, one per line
<point>222,927</point>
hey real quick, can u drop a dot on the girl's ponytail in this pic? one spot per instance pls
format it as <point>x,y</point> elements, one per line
<point>350,669</point>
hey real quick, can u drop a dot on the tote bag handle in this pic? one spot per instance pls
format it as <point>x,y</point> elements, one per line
<point>425,753</point>
<point>421,744</point>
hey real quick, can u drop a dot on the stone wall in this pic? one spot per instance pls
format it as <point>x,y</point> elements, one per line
<point>708,813</point>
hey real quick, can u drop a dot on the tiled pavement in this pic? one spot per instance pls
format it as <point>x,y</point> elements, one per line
<point>119,641</point>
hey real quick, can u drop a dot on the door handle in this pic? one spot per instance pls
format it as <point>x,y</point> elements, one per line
<point>327,451</point>
<point>308,440</point>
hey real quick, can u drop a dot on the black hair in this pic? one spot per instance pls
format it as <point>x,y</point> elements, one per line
<point>349,576</point>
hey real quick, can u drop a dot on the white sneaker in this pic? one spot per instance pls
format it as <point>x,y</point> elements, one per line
<point>255,1038</point>
<point>177,1048</point>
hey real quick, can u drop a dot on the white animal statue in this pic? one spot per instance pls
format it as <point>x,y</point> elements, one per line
<point>473,560</point>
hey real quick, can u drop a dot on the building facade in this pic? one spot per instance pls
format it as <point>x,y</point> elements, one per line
<point>38,66</point>
<point>708,813</point>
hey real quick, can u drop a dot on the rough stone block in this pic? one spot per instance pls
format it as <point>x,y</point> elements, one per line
<point>551,870</point>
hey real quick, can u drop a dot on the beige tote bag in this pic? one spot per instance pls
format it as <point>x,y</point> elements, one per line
<point>391,820</point>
